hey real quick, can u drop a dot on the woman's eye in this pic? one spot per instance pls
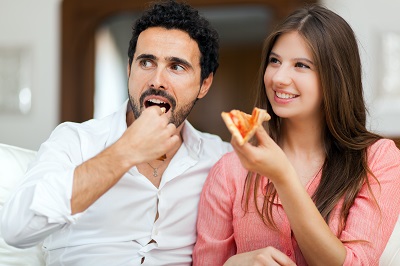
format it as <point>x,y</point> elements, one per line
<point>301,65</point>
<point>273,60</point>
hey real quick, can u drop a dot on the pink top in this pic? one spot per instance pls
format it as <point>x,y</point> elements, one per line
<point>224,229</point>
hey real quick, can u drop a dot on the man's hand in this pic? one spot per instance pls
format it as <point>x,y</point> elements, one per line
<point>148,137</point>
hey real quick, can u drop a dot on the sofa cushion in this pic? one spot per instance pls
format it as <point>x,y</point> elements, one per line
<point>13,164</point>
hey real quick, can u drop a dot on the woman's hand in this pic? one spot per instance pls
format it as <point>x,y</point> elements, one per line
<point>260,257</point>
<point>267,159</point>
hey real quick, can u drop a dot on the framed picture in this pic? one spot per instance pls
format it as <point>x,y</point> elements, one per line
<point>15,80</point>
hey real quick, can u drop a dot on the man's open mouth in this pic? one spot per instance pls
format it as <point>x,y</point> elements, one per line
<point>157,102</point>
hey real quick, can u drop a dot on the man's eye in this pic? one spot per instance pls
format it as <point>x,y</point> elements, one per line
<point>146,63</point>
<point>177,67</point>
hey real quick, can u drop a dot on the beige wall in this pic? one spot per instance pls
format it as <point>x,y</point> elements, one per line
<point>35,24</point>
<point>371,20</point>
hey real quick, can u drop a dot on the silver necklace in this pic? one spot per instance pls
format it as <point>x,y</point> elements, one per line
<point>155,169</point>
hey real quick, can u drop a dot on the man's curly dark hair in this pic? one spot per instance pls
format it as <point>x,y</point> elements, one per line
<point>181,16</point>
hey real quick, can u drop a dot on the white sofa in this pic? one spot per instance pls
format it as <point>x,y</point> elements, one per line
<point>13,164</point>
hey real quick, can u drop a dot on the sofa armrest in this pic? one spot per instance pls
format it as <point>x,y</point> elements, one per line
<point>13,164</point>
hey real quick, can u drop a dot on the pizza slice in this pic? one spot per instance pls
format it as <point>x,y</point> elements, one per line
<point>243,126</point>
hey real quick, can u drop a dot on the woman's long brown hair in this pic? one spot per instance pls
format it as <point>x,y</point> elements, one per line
<point>346,139</point>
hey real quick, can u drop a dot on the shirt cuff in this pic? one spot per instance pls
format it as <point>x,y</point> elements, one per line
<point>52,198</point>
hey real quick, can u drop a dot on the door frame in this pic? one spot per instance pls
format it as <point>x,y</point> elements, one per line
<point>80,20</point>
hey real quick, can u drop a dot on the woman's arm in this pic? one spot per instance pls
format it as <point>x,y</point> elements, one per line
<point>316,240</point>
<point>215,240</point>
<point>369,217</point>
<point>373,216</point>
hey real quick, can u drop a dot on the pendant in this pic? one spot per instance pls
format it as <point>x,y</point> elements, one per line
<point>155,174</point>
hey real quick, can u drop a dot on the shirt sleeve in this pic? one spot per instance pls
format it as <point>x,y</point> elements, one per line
<point>215,238</point>
<point>41,204</point>
<point>371,219</point>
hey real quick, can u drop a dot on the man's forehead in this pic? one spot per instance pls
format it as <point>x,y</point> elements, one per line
<point>167,43</point>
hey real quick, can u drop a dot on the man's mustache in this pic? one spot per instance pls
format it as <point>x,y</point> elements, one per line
<point>162,93</point>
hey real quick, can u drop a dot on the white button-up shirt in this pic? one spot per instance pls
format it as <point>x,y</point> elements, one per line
<point>118,228</point>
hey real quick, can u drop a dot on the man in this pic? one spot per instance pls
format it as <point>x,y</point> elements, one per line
<point>124,190</point>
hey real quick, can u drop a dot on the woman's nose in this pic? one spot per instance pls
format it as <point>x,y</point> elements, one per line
<point>282,76</point>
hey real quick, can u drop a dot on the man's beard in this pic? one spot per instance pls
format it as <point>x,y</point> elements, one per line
<point>177,115</point>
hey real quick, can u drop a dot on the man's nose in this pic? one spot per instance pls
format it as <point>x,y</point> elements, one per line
<point>158,79</point>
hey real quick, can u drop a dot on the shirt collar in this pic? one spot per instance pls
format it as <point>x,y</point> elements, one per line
<point>118,124</point>
<point>192,139</point>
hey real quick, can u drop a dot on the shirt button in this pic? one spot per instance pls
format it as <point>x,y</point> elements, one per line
<point>289,253</point>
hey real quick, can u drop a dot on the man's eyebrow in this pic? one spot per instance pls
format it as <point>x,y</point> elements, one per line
<point>179,61</point>
<point>145,56</point>
<point>172,59</point>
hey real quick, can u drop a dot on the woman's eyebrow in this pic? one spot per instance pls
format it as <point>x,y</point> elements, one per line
<point>304,59</point>
<point>294,59</point>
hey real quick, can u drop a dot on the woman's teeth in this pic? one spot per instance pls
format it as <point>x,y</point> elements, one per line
<point>284,95</point>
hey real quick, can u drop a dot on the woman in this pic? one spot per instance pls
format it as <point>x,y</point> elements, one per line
<point>318,188</point>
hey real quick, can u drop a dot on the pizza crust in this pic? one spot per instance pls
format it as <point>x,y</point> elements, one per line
<point>245,126</point>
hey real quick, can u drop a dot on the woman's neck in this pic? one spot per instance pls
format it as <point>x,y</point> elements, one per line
<point>302,138</point>
<point>302,143</point>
